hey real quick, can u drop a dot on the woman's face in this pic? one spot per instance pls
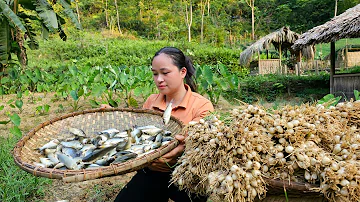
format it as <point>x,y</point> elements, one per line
<point>168,78</point>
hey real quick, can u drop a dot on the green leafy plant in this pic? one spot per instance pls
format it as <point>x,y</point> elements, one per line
<point>215,81</point>
<point>42,109</point>
<point>330,100</point>
<point>76,95</point>
<point>357,95</point>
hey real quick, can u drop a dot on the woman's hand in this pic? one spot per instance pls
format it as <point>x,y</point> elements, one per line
<point>170,158</point>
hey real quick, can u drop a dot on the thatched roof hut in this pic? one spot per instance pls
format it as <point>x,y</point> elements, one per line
<point>281,39</point>
<point>346,25</point>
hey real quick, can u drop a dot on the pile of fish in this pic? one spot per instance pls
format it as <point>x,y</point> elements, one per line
<point>73,149</point>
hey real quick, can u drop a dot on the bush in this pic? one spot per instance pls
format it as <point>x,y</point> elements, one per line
<point>269,87</point>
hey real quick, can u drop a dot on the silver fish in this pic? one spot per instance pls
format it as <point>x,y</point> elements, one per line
<point>105,161</point>
<point>97,154</point>
<point>50,145</point>
<point>158,138</point>
<point>125,157</point>
<point>70,152</point>
<point>114,141</point>
<point>72,144</point>
<point>152,131</point>
<point>47,162</point>
<point>155,145</point>
<point>69,162</point>
<point>52,157</point>
<point>167,113</point>
<point>166,139</point>
<point>49,151</point>
<point>77,132</point>
<point>59,165</point>
<point>121,135</point>
<point>139,149</point>
<point>111,132</point>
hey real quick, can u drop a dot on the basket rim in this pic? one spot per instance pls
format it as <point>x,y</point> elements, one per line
<point>99,172</point>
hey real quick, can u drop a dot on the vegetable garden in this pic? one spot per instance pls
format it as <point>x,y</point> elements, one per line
<point>55,83</point>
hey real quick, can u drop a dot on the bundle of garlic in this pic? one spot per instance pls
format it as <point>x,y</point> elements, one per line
<point>304,143</point>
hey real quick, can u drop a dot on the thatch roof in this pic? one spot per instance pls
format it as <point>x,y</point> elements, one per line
<point>283,37</point>
<point>346,25</point>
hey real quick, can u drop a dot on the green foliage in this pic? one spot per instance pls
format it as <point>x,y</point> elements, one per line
<point>43,109</point>
<point>357,95</point>
<point>329,100</point>
<point>16,184</point>
<point>215,80</point>
<point>270,87</point>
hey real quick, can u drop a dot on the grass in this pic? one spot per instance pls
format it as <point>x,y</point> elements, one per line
<point>324,49</point>
<point>16,184</point>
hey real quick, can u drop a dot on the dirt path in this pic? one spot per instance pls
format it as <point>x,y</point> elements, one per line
<point>104,189</point>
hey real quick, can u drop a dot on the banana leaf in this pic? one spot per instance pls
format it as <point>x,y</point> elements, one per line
<point>28,4</point>
<point>11,16</point>
<point>69,12</point>
<point>47,14</point>
<point>4,41</point>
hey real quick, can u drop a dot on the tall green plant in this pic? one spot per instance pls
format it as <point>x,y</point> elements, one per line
<point>215,81</point>
<point>19,22</point>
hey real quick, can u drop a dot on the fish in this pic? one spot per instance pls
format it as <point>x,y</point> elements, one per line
<point>70,152</point>
<point>155,145</point>
<point>158,138</point>
<point>52,157</point>
<point>69,162</point>
<point>50,145</point>
<point>49,151</point>
<point>152,131</point>
<point>111,132</point>
<point>166,139</point>
<point>97,154</point>
<point>105,161</point>
<point>139,149</point>
<point>47,162</point>
<point>59,165</point>
<point>121,134</point>
<point>77,132</point>
<point>72,144</point>
<point>125,157</point>
<point>114,141</point>
<point>167,113</point>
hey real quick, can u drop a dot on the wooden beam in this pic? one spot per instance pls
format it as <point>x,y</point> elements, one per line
<point>332,66</point>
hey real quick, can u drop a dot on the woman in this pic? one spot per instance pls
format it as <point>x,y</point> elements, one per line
<point>170,67</point>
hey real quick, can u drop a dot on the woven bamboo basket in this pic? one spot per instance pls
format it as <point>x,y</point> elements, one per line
<point>295,191</point>
<point>25,152</point>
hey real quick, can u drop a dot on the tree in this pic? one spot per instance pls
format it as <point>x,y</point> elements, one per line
<point>16,26</point>
<point>187,20</point>
<point>203,4</point>
<point>251,3</point>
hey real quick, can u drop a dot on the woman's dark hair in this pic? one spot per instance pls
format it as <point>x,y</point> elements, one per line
<point>180,60</point>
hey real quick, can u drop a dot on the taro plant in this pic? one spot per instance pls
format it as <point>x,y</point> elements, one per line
<point>76,95</point>
<point>357,95</point>
<point>42,109</point>
<point>215,80</point>
<point>15,120</point>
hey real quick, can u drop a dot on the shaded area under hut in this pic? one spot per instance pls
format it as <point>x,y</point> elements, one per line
<point>282,39</point>
<point>346,25</point>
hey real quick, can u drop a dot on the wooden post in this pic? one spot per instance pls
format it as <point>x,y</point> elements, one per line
<point>260,70</point>
<point>297,69</point>
<point>346,55</point>
<point>316,67</point>
<point>332,66</point>
<point>280,58</point>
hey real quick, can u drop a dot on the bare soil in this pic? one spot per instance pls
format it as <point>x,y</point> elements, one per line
<point>104,189</point>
